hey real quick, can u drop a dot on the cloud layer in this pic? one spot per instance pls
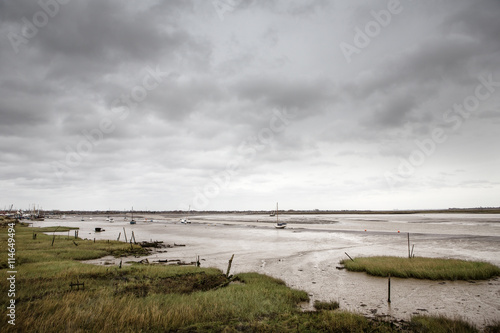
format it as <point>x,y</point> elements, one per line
<point>234,105</point>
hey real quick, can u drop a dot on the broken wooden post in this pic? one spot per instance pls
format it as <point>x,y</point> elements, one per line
<point>125,234</point>
<point>412,247</point>
<point>198,264</point>
<point>75,243</point>
<point>119,234</point>
<point>53,239</point>
<point>389,289</point>
<point>120,264</point>
<point>133,236</point>
<point>229,266</point>
<point>348,256</point>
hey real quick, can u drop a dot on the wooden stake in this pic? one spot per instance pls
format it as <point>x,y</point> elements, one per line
<point>389,289</point>
<point>409,255</point>
<point>133,236</point>
<point>412,247</point>
<point>348,256</point>
<point>229,266</point>
<point>119,234</point>
<point>125,234</point>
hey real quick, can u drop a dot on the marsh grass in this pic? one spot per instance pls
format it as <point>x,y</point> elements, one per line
<point>326,305</point>
<point>493,327</point>
<point>423,268</point>
<point>440,324</point>
<point>132,298</point>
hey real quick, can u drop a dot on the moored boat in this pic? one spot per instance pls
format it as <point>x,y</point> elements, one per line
<point>132,221</point>
<point>279,225</point>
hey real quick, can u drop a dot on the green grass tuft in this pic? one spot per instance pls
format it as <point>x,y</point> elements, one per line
<point>326,305</point>
<point>423,268</point>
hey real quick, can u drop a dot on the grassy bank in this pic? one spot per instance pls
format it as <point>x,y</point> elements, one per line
<point>423,268</point>
<point>155,298</point>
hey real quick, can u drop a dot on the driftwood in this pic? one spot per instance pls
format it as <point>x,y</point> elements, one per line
<point>155,244</point>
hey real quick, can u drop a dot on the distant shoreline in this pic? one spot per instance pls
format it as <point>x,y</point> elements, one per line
<point>493,210</point>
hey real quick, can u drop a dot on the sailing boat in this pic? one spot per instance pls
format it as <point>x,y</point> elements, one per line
<point>132,221</point>
<point>186,220</point>
<point>279,225</point>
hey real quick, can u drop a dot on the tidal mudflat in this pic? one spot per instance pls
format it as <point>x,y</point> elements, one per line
<point>307,253</point>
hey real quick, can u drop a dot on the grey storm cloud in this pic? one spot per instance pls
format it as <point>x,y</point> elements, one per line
<point>108,104</point>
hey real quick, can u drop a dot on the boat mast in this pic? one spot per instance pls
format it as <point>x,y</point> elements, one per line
<point>277,220</point>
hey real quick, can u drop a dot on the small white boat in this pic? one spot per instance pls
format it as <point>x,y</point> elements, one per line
<point>279,225</point>
<point>186,219</point>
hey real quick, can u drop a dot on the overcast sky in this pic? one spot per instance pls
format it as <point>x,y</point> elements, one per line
<point>236,105</point>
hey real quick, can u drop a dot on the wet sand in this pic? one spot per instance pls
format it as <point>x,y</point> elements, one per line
<point>305,255</point>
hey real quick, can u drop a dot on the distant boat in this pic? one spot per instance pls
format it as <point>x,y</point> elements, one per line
<point>186,220</point>
<point>279,225</point>
<point>99,229</point>
<point>132,221</point>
